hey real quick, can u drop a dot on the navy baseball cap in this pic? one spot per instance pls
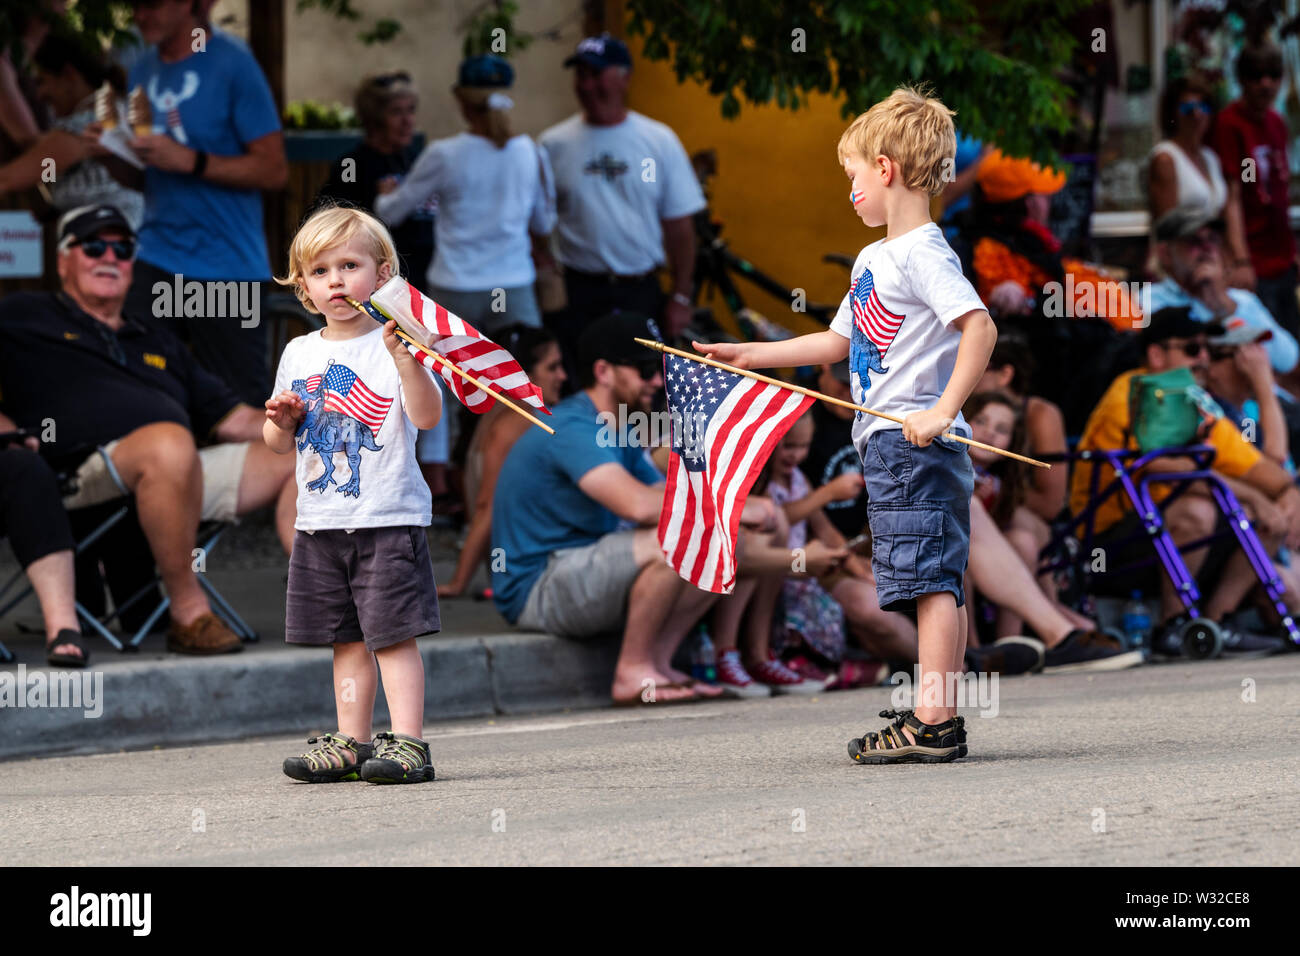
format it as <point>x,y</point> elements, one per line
<point>485,71</point>
<point>86,221</point>
<point>600,52</point>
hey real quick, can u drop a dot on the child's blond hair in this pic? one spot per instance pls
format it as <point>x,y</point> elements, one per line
<point>910,128</point>
<point>329,227</point>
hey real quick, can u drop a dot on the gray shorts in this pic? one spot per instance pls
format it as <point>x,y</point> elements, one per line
<point>582,592</point>
<point>375,584</point>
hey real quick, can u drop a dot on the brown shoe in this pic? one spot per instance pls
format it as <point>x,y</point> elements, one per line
<point>206,634</point>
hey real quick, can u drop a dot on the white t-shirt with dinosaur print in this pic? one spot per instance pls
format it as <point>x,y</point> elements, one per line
<point>356,463</point>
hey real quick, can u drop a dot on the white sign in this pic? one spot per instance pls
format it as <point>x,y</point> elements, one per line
<point>21,252</point>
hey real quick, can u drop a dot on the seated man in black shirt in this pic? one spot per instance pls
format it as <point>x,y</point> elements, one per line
<point>78,372</point>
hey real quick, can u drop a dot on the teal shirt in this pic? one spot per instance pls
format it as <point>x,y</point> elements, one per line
<point>538,508</point>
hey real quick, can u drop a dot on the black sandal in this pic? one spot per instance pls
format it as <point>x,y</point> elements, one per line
<point>326,763</point>
<point>935,743</point>
<point>67,636</point>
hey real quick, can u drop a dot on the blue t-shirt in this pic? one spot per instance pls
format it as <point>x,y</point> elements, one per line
<point>1283,351</point>
<point>217,101</point>
<point>538,507</point>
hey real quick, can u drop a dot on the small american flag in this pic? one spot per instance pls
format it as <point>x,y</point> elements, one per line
<point>724,427</point>
<point>346,393</point>
<point>469,348</point>
<point>876,322</point>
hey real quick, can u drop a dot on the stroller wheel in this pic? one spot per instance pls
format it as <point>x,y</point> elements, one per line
<point>1202,639</point>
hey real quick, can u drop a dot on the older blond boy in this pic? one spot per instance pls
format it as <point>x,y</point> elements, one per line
<point>350,398</point>
<point>918,338</point>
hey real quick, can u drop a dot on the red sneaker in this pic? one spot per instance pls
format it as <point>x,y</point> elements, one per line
<point>782,680</point>
<point>735,680</point>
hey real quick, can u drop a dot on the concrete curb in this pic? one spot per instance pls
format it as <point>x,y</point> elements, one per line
<point>176,701</point>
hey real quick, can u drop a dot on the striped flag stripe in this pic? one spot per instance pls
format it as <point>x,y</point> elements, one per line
<point>702,505</point>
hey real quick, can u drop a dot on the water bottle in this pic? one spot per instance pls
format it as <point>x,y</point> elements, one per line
<point>1136,622</point>
<point>704,659</point>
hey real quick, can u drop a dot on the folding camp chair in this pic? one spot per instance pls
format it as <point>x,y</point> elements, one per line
<point>1201,636</point>
<point>209,534</point>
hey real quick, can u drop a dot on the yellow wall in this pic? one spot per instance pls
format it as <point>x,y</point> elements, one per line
<point>782,199</point>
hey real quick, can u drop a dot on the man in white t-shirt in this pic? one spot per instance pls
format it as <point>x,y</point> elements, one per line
<point>626,197</point>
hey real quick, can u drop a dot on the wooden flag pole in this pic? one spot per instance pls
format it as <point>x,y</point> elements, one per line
<point>433,354</point>
<point>660,347</point>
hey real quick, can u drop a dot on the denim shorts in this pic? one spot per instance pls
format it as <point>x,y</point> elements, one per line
<point>919,511</point>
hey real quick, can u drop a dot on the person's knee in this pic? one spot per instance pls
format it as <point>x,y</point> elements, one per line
<point>161,448</point>
<point>1191,516</point>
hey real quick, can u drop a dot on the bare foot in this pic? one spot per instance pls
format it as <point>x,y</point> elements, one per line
<point>701,688</point>
<point>648,687</point>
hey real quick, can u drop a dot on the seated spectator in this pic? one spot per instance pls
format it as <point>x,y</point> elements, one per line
<point>1175,340</point>
<point>67,74</point>
<point>495,434</point>
<point>33,519</point>
<point>1010,370</point>
<point>385,106</point>
<point>1240,377</point>
<point>1015,256</point>
<point>99,377</point>
<point>1190,249</point>
<point>818,611</point>
<point>576,520</point>
<point>810,624</point>
<point>745,618</point>
<point>1002,486</point>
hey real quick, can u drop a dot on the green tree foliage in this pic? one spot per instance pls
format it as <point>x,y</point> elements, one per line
<point>994,63</point>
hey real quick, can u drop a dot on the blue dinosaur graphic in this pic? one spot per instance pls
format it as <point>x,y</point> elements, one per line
<point>864,357</point>
<point>328,431</point>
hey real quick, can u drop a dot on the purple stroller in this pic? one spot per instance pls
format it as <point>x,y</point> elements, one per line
<point>1201,636</point>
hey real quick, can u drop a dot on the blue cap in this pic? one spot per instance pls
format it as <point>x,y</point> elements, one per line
<point>486,71</point>
<point>600,52</point>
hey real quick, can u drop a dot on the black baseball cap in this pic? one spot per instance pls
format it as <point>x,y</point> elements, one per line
<point>611,337</point>
<point>1176,322</point>
<point>87,221</point>
<point>600,52</point>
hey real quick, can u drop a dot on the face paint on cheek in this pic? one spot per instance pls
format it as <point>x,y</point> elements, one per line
<point>855,197</point>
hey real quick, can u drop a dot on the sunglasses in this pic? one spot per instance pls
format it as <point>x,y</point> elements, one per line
<point>124,249</point>
<point>1199,106</point>
<point>1190,349</point>
<point>1221,354</point>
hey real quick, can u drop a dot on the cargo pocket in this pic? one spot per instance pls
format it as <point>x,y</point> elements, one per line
<point>908,544</point>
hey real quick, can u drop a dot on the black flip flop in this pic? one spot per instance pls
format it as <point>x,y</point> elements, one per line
<point>67,636</point>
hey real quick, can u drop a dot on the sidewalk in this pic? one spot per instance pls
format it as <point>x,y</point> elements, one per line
<point>477,666</point>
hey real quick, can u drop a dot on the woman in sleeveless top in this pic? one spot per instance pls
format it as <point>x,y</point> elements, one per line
<point>1183,171</point>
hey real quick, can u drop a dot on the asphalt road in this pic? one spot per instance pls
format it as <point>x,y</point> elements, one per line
<point>1165,764</point>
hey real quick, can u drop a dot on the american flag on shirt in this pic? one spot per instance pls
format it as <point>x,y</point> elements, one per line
<point>470,349</point>
<point>346,393</point>
<point>724,427</point>
<point>876,322</point>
